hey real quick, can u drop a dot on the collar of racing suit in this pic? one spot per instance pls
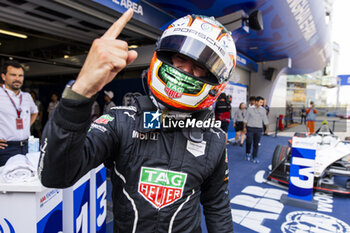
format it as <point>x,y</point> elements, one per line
<point>145,104</point>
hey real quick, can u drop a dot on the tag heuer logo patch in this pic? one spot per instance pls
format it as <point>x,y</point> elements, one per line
<point>161,187</point>
<point>173,91</point>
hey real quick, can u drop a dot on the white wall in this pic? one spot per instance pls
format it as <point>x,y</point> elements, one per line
<point>279,94</point>
<point>259,86</point>
<point>274,90</point>
<point>241,76</point>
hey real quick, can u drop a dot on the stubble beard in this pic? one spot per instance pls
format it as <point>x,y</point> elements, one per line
<point>15,86</point>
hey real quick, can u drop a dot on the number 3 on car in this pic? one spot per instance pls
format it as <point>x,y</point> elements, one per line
<point>301,178</point>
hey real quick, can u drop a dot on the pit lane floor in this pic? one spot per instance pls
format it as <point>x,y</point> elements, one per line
<point>256,206</point>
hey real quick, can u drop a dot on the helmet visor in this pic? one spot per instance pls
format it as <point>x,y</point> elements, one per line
<point>201,53</point>
<point>189,84</point>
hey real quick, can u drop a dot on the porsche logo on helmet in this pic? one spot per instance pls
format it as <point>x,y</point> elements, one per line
<point>161,187</point>
<point>173,91</point>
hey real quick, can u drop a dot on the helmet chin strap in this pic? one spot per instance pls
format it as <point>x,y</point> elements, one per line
<point>156,103</point>
<point>159,106</point>
<point>143,78</point>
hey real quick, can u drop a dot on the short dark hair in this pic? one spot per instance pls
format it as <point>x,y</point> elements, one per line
<point>258,98</point>
<point>13,63</point>
<point>252,98</point>
<point>54,93</point>
<point>222,96</point>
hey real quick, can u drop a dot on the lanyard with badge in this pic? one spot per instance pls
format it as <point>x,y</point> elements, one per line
<point>19,120</point>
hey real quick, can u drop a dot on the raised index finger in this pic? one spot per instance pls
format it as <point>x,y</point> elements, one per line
<point>114,31</point>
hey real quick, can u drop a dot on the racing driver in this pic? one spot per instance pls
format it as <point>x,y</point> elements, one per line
<point>159,175</point>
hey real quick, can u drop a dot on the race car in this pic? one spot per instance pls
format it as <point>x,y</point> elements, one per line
<point>332,160</point>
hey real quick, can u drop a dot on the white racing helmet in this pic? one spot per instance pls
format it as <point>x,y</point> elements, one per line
<point>208,43</point>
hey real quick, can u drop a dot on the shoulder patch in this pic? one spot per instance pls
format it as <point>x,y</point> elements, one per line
<point>104,119</point>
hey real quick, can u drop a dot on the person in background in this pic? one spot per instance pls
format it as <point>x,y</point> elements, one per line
<point>267,108</point>
<point>53,104</point>
<point>251,101</point>
<point>37,125</point>
<point>303,115</point>
<point>291,113</point>
<point>161,178</point>
<point>311,117</point>
<point>95,111</point>
<point>238,118</point>
<point>17,112</point>
<point>109,103</point>
<point>229,99</point>
<point>253,126</point>
<point>223,111</point>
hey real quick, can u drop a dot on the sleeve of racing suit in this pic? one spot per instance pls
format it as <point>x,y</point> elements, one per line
<point>215,199</point>
<point>68,151</point>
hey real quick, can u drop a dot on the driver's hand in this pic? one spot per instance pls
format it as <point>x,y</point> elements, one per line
<point>107,57</point>
<point>3,144</point>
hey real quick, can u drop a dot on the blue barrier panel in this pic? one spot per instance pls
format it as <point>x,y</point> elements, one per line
<point>231,133</point>
<point>52,222</point>
<point>76,207</point>
<point>81,197</point>
<point>99,199</point>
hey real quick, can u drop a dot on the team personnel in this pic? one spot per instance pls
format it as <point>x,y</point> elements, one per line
<point>267,108</point>
<point>251,101</point>
<point>238,118</point>
<point>253,126</point>
<point>109,103</point>
<point>37,127</point>
<point>53,104</point>
<point>223,111</point>
<point>159,175</point>
<point>17,113</point>
<point>311,113</point>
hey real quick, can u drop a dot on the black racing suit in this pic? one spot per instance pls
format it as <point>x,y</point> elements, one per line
<point>159,177</point>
